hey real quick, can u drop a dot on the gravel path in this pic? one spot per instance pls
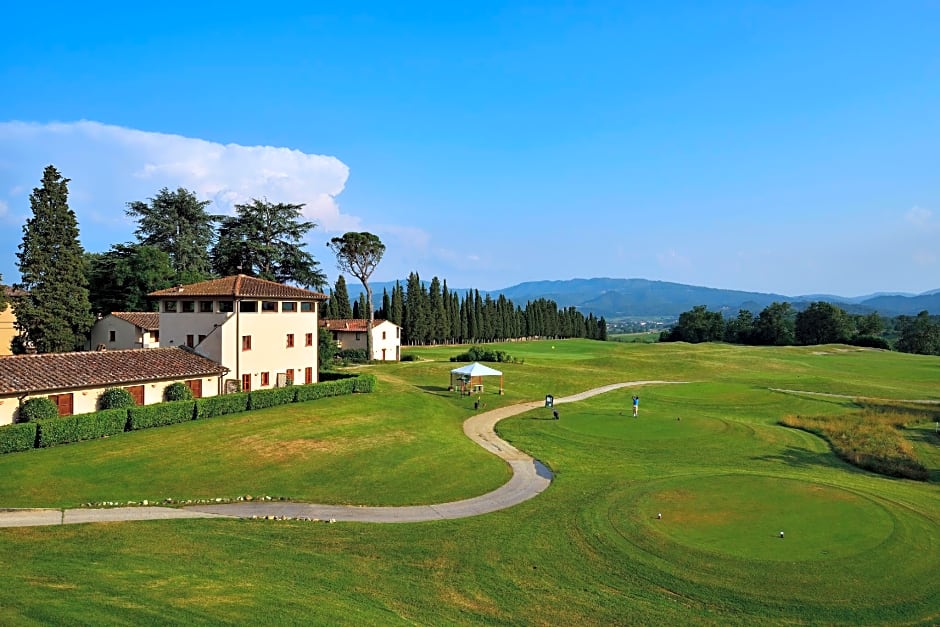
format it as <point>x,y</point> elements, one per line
<point>529,478</point>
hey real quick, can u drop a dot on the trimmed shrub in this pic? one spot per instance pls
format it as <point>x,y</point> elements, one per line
<point>478,353</point>
<point>160,414</point>
<point>408,357</point>
<point>364,383</point>
<point>353,355</point>
<point>92,426</point>
<point>335,376</point>
<point>115,398</point>
<point>17,437</point>
<point>177,392</point>
<point>39,408</point>
<point>259,399</point>
<point>221,405</point>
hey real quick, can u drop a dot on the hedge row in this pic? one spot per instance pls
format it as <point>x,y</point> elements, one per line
<point>81,427</point>
<point>55,431</point>
<point>18,437</point>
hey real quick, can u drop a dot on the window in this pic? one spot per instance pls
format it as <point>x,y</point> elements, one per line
<point>290,340</point>
<point>112,336</point>
<point>246,342</point>
<point>383,335</point>
<point>397,332</point>
<point>206,306</point>
<point>248,306</point>
<point>190,340</point>
<point>308,339</point>
<point>156,336</point>
<point>289,376</point>
<point>201,338</point>
<point>308,307</point>
<point>265,379</point>
<point>268,305</point>
<point>169,306</point>
<point>189,306</point>
<point>358,336</point>
<point>226,306</point>
<point>289,306</point>
<point>246,383</point>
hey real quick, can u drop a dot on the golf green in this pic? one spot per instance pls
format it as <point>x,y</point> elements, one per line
<point>744,515</point>
<point>610,425</point>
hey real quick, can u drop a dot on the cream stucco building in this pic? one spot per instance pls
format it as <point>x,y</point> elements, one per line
<point>264,333</point>
<point>126,329</point>
<point>351,334</point>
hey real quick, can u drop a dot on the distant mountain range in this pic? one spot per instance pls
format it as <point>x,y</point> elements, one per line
<point>640,298</point>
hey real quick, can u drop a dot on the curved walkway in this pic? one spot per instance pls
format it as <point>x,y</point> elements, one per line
<point>529,478</point>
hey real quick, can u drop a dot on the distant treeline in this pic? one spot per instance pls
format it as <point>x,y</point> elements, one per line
<point>779,324</point>
<point>436,315</point>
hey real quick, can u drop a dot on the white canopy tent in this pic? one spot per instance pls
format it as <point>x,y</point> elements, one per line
<point>471,377</point>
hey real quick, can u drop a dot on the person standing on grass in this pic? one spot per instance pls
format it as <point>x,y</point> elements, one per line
<point>636,405</point>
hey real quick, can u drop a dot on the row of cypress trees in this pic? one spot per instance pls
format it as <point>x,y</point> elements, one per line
<point>433,314</point>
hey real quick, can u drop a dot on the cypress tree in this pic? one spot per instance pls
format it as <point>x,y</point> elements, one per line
<point>398,303</point>
<point>54,315</point>
<point>344,310</point>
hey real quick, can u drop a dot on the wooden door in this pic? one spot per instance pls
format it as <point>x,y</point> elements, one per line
<point>137,393</point>
<point>308,375</point>
<point>195,386</point>
<point>64,403</point>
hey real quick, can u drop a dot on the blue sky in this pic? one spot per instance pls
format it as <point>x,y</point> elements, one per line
<point>785,147</point>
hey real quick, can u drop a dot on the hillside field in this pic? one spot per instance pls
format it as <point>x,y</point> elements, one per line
<point>674,517</point>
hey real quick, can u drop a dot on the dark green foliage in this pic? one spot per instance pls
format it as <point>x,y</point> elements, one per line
<point>54,314</point>
<point>160,414</point>
<point>335,376</point>
<point>352,355</point>
<point>177,392</point>
<point>870,341</point>
<point>326,348</point>
<point>364,383</point>
<point>69,429</point>
<point>478,353</point>
<point>39,408</point>
<point>775,325</point>
<point>115,398</point>
<point>212,406</point>
<point>178,224</point>
<point>265,240</point>
<point>18,437</point>
<point>313,391</point>
<point>339,301</point>
<point>259,399</point>
<point>698,325</point>
<point>121,278</point>
<point>919,335</point>
<point>409,357</point>
<point>822,323</point>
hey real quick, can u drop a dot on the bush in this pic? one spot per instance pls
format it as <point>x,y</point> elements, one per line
<point>409,357</point>
<point>17,437</point>
<point>115,398</point>
<point>160,414</point>
<point>39,408</point>
<point>477,353</point>
<point>364,383</point>
<point>260,399</point>
<point>335,376</point>
<point>81,427</point>
<point>870,341</point>
<point>338,387</point>
<point>177,392</point>
<point>353,355</point>
<point>221,405</point>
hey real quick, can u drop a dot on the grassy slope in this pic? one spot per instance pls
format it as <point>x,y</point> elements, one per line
<point>860,548</point>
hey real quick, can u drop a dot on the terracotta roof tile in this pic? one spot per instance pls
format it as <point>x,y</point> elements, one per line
<point>239,286</point>
<point>352,324</point>
<point>149,321</point>
<point>62,371</point>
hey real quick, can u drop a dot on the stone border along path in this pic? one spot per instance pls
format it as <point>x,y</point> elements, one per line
<point>529,478</point>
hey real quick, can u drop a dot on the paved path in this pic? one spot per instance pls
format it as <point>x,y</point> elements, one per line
<point>529,478</point>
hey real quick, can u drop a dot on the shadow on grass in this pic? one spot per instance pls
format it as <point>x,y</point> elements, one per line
<point>805,458</point>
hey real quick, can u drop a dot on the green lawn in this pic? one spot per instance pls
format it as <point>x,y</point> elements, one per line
<point>707,454</point>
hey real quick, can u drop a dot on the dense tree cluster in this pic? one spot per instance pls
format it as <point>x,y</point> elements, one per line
<point>779,324</point>
<point>433,314</point>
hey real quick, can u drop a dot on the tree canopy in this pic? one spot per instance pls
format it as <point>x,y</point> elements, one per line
<point>359,254</point>
<point>54,313</point>
<point>121,278</point>
<point>264,239</point>
<point>178,224</point>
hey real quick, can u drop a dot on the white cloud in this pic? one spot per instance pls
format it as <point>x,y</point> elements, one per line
<point>112,165</point>
<point>919,216</point>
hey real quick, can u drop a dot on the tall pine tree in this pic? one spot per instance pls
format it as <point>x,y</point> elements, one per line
<point>54,315</point>
<point>341,299</point>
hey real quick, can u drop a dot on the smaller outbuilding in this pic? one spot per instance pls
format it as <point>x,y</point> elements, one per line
<point>126,329</point>
<point>469,379</point>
